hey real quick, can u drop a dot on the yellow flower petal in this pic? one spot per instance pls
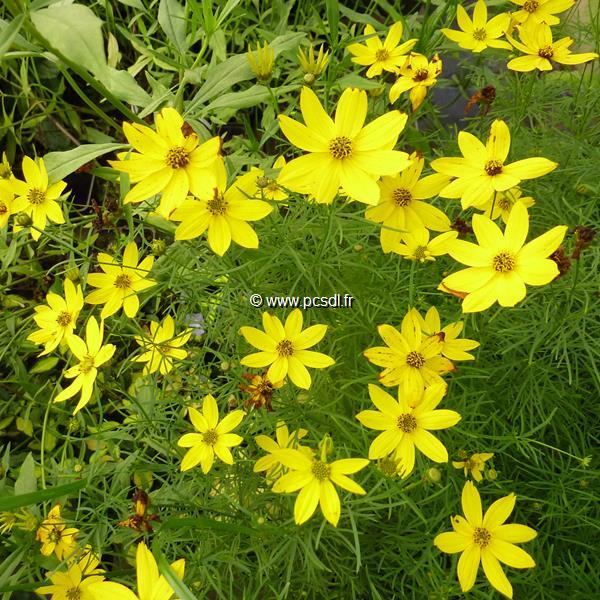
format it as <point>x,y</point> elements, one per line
<point>493,571</point>
<point>471,505</point>
<point>329,502</point>
<point>499,511</point>
<point>306,502</point>
<point>468,564</point>
<point>451,542</point>
<point>510,555</point>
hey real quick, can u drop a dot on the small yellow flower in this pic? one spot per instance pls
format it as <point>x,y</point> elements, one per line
<point>309,64</point>
<point>265,188</point>
<point>417,74</point>
<point>55,536</point>
<point>473,465</point>
<point>260,390</point>
<point>381,56</point>
<point>162,347</point>
<point>503,203</point>
<point>417,246</point>
<point>261,60</point>
<point>120,283</point>
<point>214,437</point>
<point>486,539</point>
<point>285,348</point>
<point>540,11</point>
<point>6,202</point>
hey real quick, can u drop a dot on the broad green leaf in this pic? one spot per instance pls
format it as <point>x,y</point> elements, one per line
<point>26,481</point>
<point>133,3</point>
<point>356,81</point>
<point>11,502</point>
<point>45,364</point>
<point>171,18</point>
<point>123,85</point>
<point>250,97</point>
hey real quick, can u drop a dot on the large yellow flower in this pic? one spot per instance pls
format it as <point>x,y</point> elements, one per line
<point>540,11</point>
<point>342,153</point>
<point>169,160</point>
<point>285,348</point>
<point>486,539</point>
<point>482,170</point>
<point>55,536</point>
<point>378,56</point>
<point>417,75</point>
<point>502,263</point>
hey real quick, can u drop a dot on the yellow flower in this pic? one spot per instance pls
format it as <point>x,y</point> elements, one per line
<point>486,539</point>
<point>417,246</point>
<point>314,477</point>
<point>224,212</point>
<point>483,170</point>
<point>410,358</point>
<point>536,42</point>
<point>474,465</point>
<point>167,161</point>
<point>264,187</point>
<point>540,11</point>
<point>309,64</point>
<point>503,203</point>
<point>91,355</point>
<point>452,347</point>
<point>378,56</point>
<point>417,75</point>
<point>342,153</point>
<point>501,265</point>
<point>55,536</point>
<point>163,347</point>
<point>6,202</point>
<point>214,438</point>
<point>400,205</point>
<point>285,348</point>
<point>479,33</point>
<point>260,391</point>
<point>120,283</point>
<point>36,197</point>
<point>261,60</point>
<point>57,319</point>
<point>406,423</point>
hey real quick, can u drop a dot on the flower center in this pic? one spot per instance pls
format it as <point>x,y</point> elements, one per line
<point>177,157</point>
<point>210,437</point>
<point>216,205</point>
<point>415,360</point>
<point>531,5</point>
<point>504,203</point>
<point>320,470</point>
<point>74,593</point>
<point>482,536</point>
<point>382,54</point>
<point>479,34</point>
<point>401,197</point>
<point>3,208</point>
<point>406,423</point>
<point>340,147</point>
<point>420,253</point>
<point>54,536</point>
<point>546,52</point>
<point>64,318</point>
<point>493,167</point>
<point>85,366</point>
<point>504,262</point>
<point>36,196</point>
<point>123,281</point>
<point>420,75</point>
<point>285,348</point>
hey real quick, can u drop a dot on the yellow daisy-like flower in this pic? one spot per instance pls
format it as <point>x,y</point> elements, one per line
<point>379,56</point>
<point>55,536</point>
<point>57,319</point>
<point>540,11</point>
<point>479,33</point>
<point>91,355</point>
<point>401,207</point>
<point>285,348</point>
<point>224,213</point>
<point>482,170</point>
<point>502,263</point>
<point>311,65</point>
<point>416,245</point>
<point>162,347</point>
<point>473,465</point>
<point>120,284</point>
<point>167,161</point>
<point>342,152</point>
<point>72,583</point>
<point>417,75</point>
<point>6,202</point>
<point>452,347</point>
<point>314,477</point>
<point>261,60</point>
<point>503,202</point>
<point>36,197</point>
<point>410,358</point>
<point>486,539</point>
<point>265,188</point>
<point>214,437</point>
<point>536,43</point>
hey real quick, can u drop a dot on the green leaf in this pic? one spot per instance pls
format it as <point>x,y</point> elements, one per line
<point>333,19</point>
<point>133,3</point>
<point>123,85</point>
<point>9,33</point>
<point>206,523</point>
<point>26,481</point>
<point>45,364</point>
<point>171,18</point>
<point>41,495</point>
<point>250,97</point>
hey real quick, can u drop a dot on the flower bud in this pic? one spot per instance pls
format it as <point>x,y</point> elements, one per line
<point>158,247</point>
<point>309,78</point>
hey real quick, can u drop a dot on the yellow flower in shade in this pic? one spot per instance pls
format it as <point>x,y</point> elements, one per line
<point>486,539</point>
<point>57,319</point>
<point>214,437</point>
<point>401,207</point>
<point>379,56</point>
<point>224,213</point>
<point>417,246</point>
<point>73,583</point>
<point>261,61</point>
<point>479,33</point>
<point>162,347</point>
<point>5,169</point>
<point>6,202</point>
<point>536,43</point>
<point>260,391</point>
<point>120,284</point>
<point>407,423</point>
<point>91,355</point>
<point>501,265</point>
<point>417,75</point>
<point>452,347</point>
<point>36,197</point>
<point>311,65</point>
<point>167,162</point>
<point>285,348</point>
<point>55,536</point>
<point>540,11</point>
<point>503,202</point>
<point>342,152</point>
<point>314,477</point>
<point>473,465</point>
<point>266,188</point>
<point>410,358</point>
<point>482,170</point>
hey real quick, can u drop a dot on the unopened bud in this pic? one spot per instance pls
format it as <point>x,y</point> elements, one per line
<point>23,220</point>
<point>434,475</point>
<point>309,79</point>
<point>158,247</point>
<point>376,92</point>
<point>262,182</point>
<point>491,474</point>
<point>584,190</point>
<point>72,273</point>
